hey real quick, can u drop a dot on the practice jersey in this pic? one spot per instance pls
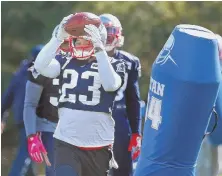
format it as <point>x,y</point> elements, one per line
<point>81,88</point>
<point>84,106</point>
<point>47,106</point>
<point>127,101</point>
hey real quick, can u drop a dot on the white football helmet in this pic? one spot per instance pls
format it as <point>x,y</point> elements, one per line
<point>114,29</point>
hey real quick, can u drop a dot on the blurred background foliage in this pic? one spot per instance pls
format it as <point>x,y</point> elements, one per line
<point>146,25</point>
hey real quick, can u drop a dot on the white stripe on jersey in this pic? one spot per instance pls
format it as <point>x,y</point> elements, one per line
<point>85,128</point>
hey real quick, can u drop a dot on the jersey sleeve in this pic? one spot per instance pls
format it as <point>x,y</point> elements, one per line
<point>35,77</point>
<point>61,58</point>
<point>133,97</point>
<point>120,69</point>
<point>136,69</point>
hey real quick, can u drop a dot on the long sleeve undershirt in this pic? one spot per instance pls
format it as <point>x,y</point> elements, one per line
<point>32,97</point>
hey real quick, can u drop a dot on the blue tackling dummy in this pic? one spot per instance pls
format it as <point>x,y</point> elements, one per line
<point>216,137</point>
<point>208,159</point>
<point>183,88</point>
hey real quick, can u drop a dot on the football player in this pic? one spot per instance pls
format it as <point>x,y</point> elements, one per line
<point>126,110</point>
<point>14,97</point>
<point>208,161</point>
<point>89,83</point>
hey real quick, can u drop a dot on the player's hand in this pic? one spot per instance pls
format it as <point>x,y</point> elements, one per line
<point>37,150</point>
<point>2,127</point>
<point>135,145</point>
<point>59,31</point>
<point>96,35</point>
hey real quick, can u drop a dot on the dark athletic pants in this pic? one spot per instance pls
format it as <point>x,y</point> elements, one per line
<point>72,161</point>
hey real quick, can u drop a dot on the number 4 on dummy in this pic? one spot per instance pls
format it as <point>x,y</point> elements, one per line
<point>153,111</point>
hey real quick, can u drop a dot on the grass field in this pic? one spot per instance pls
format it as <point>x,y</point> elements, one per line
<point>9,150</point>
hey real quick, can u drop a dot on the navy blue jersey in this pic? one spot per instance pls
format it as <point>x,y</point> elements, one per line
<point>47,106</point>
<point>127,101</point>
<point>81,87</point>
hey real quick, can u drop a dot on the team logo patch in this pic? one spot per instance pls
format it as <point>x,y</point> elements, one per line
<point>94,66</point>
<point>120,68</point>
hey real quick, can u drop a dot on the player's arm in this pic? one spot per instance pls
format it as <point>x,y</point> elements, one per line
<point>133,109</point>
<point>36,148</point>
<point>45,63</point>
<point>133,98</point>
<point>34,88</point>
<point>32,97</point>
<point>111,81</point>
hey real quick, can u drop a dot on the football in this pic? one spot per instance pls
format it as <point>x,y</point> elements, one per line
<point>75,25</point>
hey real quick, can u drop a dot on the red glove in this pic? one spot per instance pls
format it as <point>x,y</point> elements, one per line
<point>135,145</point>
<point>36,149</point>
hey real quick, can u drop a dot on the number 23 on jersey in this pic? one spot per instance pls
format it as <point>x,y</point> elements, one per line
<point>94,88</point>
